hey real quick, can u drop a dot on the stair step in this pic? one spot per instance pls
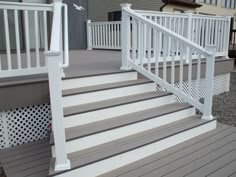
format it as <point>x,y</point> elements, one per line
<point>69,92</point>
<point>109,156</point>
<point>105,125</point>
<point>97,111</point>
<point>78,109</point>
<point>77,82</point>
<point>79,96</point>
<point>93,134</point>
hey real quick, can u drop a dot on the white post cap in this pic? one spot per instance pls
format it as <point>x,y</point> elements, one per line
<point>127,5</point>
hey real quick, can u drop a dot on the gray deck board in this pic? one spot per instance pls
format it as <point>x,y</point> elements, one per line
<point>27,160</point>
<point>191,154</point>
<point>212,154</point>
<point>227,170</point>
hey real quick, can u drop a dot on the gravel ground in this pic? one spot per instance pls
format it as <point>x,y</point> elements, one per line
<point>224,105</point>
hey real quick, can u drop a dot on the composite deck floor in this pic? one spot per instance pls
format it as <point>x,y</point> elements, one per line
<point>212,154</point>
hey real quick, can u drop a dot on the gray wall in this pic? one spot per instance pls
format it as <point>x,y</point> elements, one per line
<point>98,9</point>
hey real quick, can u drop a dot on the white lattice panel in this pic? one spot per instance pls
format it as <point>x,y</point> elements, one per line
<point>2,137</point>
<point>220,85</point>
<point>26,124</point>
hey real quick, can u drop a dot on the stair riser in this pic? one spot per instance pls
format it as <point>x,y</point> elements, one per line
<point>107,136</point>
<point>91,97</point>
<point>97,80</point>
<point>115,162</point>
<point>107,113</point>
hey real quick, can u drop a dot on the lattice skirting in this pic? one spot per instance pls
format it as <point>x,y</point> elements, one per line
<point>221,84</point>
<point>23,125</point>
<point>27,124</point>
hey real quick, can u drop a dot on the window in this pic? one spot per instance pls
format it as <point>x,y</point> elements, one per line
<point>213,2</point>
<point>114,16</point>
<point>228,4</point>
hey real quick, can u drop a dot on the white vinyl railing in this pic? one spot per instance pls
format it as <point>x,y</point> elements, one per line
<point>138,54</point>
<point>203,30</point>
<point>56,61</point>
<point>34,28</point>
<point>104,35</point>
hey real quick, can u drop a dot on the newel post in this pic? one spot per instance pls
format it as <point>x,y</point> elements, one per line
<point>125,37</point>
<point>227,38</point>
<point>189,32</point>
<point>89,35</point>
<point>54,76</point>
<point>210,69</point>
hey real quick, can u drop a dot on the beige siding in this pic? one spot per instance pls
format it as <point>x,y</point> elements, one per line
<point>98,9</point>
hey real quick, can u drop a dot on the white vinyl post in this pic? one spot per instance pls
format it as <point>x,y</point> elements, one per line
<point>189,32</point>
<point>54,63</point>
<point>210,67</point>
<point>89,35</point>
<point>227,38</point>
<point>54,75</point>
<point>125,37</point>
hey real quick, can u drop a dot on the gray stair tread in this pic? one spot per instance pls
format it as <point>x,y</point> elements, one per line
<point>112,102</point>
<point>100,126</point>
<point>110,149</point>
<point>101,87</point>
<point>162,162</point>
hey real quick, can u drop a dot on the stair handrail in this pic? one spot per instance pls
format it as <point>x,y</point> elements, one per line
<point>135,51</point>
<point>56,61</point>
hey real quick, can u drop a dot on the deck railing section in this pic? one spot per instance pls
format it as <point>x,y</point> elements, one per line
<point>56,61</point>
<point>232,42</point>
<point>104,35</point>
<point>203,30</point>
<point>25,26</point>
<point>136,52</point>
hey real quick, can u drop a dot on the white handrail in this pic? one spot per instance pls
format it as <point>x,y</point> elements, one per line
<point>201,29</point>
<point>146,45</point>
<point>167,31</point>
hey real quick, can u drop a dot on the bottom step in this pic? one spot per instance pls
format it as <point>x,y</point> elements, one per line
<point>107,157</point>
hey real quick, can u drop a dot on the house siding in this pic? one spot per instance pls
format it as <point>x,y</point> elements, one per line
<point>98,9</point>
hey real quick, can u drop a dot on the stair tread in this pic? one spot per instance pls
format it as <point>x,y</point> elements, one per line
<point>116,147</point>
<point>78,109</point>
<point>101,87</point>
<point>105,125</point>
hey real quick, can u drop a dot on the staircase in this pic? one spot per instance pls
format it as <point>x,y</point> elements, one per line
<point>112,120</point>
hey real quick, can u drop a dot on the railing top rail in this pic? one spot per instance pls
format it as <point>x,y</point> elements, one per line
<point>169,32</point>
<point>157,13</point>
<point>25,6</point>
<point>109,22</point>
<point>211,17</point>
<point>183,15</point>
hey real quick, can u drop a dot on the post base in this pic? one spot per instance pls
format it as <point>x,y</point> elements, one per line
<point>207,117</point>
<point>89,48</point>
<point>61,167</point>
<point>123,68</point>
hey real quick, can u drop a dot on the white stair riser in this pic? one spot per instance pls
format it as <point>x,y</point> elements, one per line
<point>98,80</point>
<point>104,137</point>
<point>91,97</point>
<point>107,113</point>
<point>118,161</point>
